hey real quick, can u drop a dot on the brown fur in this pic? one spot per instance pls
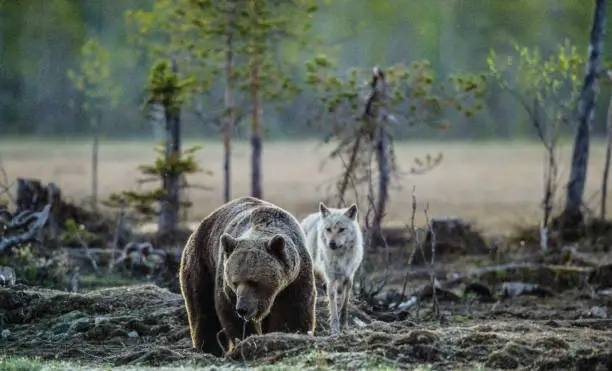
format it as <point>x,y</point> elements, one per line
<point>248,255</point>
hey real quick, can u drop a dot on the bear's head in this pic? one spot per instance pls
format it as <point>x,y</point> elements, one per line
<point>256,270</point>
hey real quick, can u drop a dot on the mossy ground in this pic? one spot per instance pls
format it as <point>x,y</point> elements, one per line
<point>134,327</point>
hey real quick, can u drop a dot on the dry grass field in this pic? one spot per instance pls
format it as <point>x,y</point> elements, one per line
<point>497,185</point>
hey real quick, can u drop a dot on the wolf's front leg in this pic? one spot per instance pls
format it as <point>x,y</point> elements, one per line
<point>332,296</point>
<point>347,286</point>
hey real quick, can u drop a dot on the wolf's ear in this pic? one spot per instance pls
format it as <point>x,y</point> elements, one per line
<point>323,209</point>
<point>351,212</point>
<point>276,247</point>
<point>228,243</point>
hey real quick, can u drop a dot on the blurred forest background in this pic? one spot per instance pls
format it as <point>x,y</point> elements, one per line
<point>42,40</point>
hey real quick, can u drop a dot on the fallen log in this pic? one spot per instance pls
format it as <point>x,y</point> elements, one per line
<point>32,222</point>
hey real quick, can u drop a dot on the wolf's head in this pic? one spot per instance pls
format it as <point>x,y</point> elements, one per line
<point>338,226</point>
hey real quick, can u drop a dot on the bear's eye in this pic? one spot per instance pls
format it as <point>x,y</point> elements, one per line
<point>340,230</point>
<point>328,230</point>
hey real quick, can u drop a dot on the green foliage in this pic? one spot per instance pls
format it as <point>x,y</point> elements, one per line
<point>196,32</point>
<point>414,95</point>
<point>166,88</point>
<point>39,267</point>
<point>264,25</point>
<point>176,29</point>
<point>145,202</point>
<point>94,78</point>
<point>183,164</point>
<point>358,33</point>
<point>547,87</point>
<point>72,231</point>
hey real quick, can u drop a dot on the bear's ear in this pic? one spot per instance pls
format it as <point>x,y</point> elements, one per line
<point>323,209</point>
<point>228,243</point>
<point>276,247</point>
<point>351,212</point>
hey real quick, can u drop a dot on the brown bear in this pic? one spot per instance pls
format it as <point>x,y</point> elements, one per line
<point>246,269</point>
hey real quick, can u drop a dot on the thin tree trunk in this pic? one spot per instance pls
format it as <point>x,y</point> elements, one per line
<point>256,190</point>
<point>229,120</point>
<point>379,86</point>
<point>94,164</point>
<point>550,176</point>
<point>575,188</point>
<point>606,172</point>
<point>169,208</point>
<point>383,180</point>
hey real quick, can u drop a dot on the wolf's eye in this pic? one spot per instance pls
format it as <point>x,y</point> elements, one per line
<point>328,230</point>
<point>340,230</point>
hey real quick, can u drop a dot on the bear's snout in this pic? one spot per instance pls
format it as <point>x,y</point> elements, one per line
<point>244,310</point>
<point>246,302</point>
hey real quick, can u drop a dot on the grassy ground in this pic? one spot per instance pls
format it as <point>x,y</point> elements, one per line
<point>495,184</point>
<point>298,363</point>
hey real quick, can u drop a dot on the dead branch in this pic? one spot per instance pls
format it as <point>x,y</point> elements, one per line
<point>434,281</point>
<point>138,253</point>
<point>415,242</point>
<point>351,180</point>
<point>349,169</point>
<point>418,245</point>
<point>5,185</point>
<point>376,115</point>
<point>39,219</point>
<point>118,229</point>
<point>374,288</point>
<point>91,259</point>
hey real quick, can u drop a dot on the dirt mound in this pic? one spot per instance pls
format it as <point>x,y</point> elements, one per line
<point>453,238</point>
<point>593,236</point>
<point>101,324</point>
<point>504,345</point>
<point>145,324</point>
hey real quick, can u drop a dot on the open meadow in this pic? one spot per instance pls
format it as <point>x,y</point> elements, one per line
<point>495,185</point>
<point>500,305</point>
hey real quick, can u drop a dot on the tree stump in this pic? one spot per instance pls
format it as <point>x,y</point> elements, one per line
<point>33,195</point>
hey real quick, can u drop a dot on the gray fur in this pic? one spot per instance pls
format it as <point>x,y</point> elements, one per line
<point>336,266</point>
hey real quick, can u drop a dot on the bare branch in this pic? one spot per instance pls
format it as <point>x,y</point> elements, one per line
<point>5,186</point>
<point>118,229</point>
<point>415,242</point>
<point>23,219</point>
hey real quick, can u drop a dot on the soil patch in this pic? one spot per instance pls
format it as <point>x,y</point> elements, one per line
<point>145,324</point>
